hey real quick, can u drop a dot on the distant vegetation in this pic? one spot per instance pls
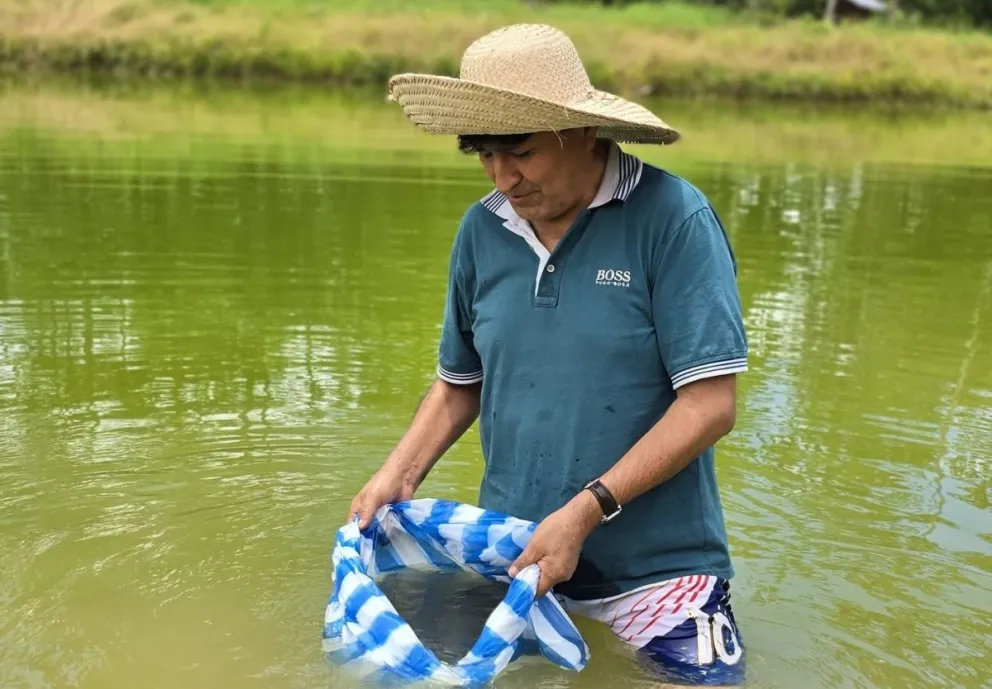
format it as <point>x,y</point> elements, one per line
<point>736,48</point>
<point>181,125</point>
<point>935,12</point>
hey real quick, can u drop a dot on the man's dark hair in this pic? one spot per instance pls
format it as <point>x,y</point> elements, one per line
<point>477,143</point>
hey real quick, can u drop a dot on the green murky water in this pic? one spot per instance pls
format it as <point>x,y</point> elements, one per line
<point>210,336</point>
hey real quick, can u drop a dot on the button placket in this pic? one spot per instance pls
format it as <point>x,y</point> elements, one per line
<point>547,290</point>
<point>549,282</point>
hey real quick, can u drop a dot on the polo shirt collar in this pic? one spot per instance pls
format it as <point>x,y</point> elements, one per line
<point>623,172</point>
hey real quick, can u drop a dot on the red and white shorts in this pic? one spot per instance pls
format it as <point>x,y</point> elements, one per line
<point>684,626</point>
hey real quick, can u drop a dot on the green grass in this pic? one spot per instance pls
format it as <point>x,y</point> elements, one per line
<point>666,49</point>
<point>666,15</point>
<point>173,121</point>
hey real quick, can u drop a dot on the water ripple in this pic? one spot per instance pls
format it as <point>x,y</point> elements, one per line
<point>201,364</point>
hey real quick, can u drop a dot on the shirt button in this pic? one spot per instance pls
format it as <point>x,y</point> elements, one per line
<point>551,268</point>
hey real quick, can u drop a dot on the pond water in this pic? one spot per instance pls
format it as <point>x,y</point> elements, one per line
<point>216,320</point>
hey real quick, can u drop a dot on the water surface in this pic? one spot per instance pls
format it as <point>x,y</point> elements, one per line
<point>211,336</point>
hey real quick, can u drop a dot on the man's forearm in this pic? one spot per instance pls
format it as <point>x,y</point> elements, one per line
<point>445,413</point>
<point>702,414</point>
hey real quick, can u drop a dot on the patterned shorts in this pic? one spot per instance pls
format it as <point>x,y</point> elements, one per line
<point>683,628</point>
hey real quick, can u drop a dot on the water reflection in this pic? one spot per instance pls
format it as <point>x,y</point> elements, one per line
<point>201,358</point>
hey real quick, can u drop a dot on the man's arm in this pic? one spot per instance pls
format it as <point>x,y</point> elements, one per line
<point>703,412</point>
<point>699,324</point>
<point>450,405</point>
<point>445,413</point>
<point>701,338</point>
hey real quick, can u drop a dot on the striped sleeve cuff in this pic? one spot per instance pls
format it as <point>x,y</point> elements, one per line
<point>709,370</point>
<point>458,378</point>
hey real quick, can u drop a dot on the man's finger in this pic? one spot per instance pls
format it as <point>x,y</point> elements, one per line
<point>353,510</point>
<point>545,583</point>
<point>364,516</point>
<point>526,559</point>
<point>360,510</point>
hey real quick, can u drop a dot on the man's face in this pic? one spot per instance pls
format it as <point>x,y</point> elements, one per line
<point>538,176</point>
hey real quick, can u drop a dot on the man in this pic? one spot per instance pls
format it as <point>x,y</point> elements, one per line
<point>593,327</point>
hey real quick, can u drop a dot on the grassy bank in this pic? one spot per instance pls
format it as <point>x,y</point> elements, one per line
<point>666,49</point>
<point>179,122</point>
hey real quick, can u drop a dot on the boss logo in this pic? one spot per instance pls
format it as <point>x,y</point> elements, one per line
<point>616,278</point>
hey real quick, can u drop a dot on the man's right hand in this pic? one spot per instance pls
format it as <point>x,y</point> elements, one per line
<point>385,487</point>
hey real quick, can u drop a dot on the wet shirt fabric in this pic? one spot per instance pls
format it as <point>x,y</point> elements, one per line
<point>364,633</point>
<point>581,350</point>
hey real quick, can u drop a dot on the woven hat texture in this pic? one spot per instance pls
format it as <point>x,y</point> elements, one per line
<point>521,79</point>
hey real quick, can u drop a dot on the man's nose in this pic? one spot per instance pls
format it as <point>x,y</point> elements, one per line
<point>505,173</point>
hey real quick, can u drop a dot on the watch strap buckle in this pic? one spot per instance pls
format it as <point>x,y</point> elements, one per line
<point>607,503</point>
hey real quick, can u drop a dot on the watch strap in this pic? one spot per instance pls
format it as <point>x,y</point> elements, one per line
<point>607,503</point>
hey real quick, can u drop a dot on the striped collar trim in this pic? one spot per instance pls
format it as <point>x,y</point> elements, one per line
<point>623,172</point>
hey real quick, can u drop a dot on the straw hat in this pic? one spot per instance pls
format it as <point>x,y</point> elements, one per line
<point>521,79</point>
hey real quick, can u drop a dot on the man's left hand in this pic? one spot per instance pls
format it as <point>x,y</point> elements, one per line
<point>558,540</point>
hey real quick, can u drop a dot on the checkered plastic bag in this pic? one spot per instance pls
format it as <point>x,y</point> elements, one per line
<point>363,631</point>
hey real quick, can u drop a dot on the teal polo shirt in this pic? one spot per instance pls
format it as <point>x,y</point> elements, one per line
<point>580,352</point>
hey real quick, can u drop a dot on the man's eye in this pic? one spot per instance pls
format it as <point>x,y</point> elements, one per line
<point>523,154</point>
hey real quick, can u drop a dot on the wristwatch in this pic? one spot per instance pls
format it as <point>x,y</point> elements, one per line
<point>606,501</point>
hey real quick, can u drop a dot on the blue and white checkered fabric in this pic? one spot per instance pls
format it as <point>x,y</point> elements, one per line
<point>363,631</point>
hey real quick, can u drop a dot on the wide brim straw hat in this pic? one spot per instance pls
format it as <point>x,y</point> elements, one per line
<point>523,79</point>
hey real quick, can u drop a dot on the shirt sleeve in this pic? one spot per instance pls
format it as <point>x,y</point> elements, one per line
<point>458,360</point>
<point>696,304</point>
